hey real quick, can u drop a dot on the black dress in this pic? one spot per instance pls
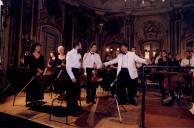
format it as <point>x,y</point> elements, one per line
<point>34,91</point>
<point>60,82</point>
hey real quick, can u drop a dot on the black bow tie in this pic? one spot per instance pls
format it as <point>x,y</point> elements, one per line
<point>123,53</point>
<point>91,53</point>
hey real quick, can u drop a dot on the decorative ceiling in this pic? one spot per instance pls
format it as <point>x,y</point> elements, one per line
<point>131,6</point>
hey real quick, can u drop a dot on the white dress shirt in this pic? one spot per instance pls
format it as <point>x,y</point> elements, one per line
<point>185,62</point>
<point>73,60</point>
<point>156,60</point>
<point>89,59</point>
<point>124,61</point>
<point>192,64</point>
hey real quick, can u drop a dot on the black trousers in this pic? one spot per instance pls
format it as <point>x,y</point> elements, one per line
<point>91,86</point>
<point>125,86</point>
<point>73,91</point>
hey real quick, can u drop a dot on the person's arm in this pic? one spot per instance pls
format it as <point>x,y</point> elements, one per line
<point>84,63</point>
<point>69,67</point>
<point>99,62</point>
<point>140,60</point>
<point>114,61</point>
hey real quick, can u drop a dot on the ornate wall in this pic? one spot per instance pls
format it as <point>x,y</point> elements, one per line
<point>28,21</point>
<point>152,33</point>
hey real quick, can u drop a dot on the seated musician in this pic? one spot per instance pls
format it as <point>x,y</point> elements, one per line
<point>163,79</point>
<point>51,64</point>
<point>177,62</point>
<point>52,59</point>
<point>91,62</point>
<point>186,62</point>
<point>106,75</point>
<point>35,62</point>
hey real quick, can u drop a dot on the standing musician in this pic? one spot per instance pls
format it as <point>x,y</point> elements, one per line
<point>73,64</point>
<point>91,62</point>
<point>126,74</point>
<point>60,72</point>
<point>35,62</point>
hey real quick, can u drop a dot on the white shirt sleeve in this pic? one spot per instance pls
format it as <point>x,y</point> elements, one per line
<point>140,60</point>
<point>114,61</point>
<point>85,62</point>
<point>68,66</point>
<point>99,62</point>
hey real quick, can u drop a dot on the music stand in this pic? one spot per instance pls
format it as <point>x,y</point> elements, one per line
<point>115,83</point>
<point>51,85</point>
<point>5,84</point>
<point>57,77</point>
<point>23,89</point>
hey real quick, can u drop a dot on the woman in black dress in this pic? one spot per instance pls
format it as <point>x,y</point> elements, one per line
<point>35,62</point>
<point>60,73</point>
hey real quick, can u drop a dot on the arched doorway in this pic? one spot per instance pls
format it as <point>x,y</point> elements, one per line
<point>50,38</point>
<point>149,48</point>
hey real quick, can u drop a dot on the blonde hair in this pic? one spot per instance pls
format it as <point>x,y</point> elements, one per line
<point>60,47</point>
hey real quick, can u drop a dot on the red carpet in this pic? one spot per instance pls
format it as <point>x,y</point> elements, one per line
<point>175,116</point>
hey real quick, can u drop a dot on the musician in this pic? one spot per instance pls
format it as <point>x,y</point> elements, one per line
<point>139,67</point>
<point>52,59</point>
<point>126,73</point>
<point>35,62</point>
<point>163,79</point>
<point>106,75</point>
<point>73,63</point>
<point>60,60</point>
<point>157,57</point>
<point>60,74</point>
<point>186,62</point>
<point>177,62</point>
<point>91,62</point>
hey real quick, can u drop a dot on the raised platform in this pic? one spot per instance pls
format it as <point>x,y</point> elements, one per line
<point>103,114</point>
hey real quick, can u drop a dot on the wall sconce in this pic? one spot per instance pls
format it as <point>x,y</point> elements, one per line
<point>118,49</point>
<point>107,50</point>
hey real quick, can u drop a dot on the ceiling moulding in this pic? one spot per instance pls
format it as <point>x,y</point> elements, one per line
<point>100,12</point>
<point>72,2</point>
<point>131,8</point>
